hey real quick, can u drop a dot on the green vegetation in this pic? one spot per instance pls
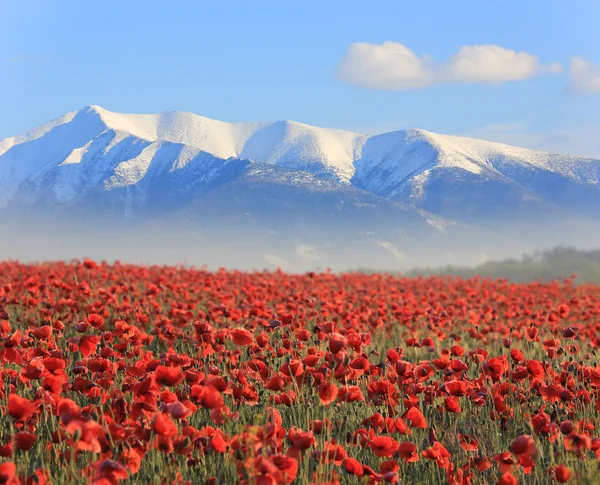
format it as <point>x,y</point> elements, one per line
<point>546,265</point>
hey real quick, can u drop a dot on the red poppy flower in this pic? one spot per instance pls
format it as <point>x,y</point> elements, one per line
<point>383,446</point>
<point>7,450</point>
<point>95,320</point>
<point>211,398</point>
<point>179,410</point>
<point>350,394</point>
<point>132,459</point>
<point>468,443</point>
<point>218,443</point>
<point>42,333</point>
<point>482,463</point>
<point>567,427</point>
<point>337,342</point>
<point>402,427</point>
<point>577,442</point>
<point>333,453</point>
<point>415,417</point>
<point>408,452</point>
<point>456,388</point>
<point>301,440</point>
<point>288,467</point>
<point>20,408</point>
<point>517,355</point>
<point>318,425</point>
<point>531,333</point>
<point>88,344</point>
<point>505,461</point>
<point>110,470</point>
<point>293,368</point>
<point>32,370</point>
<point>242,337</point>
<point>275,383</point>
<point>523,445</point>
<point>327,393</point>
<point>508,479</point>
<point>86,435</point>
<point>8,474</point>
<point>168,376</point>
<point>163,426</point>
<point>353,467</point>
<point>25,440</point>
<point>562,473</point>
<point>438,453</point>
<point>452,405</point>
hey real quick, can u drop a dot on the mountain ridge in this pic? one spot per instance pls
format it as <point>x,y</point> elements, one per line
<point>397,164</point>
<point>97,163</point>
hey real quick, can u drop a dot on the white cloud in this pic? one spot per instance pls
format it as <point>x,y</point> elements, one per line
<point>386,66</point>
<point>491,64</point>
<point>394,66</point>
<point>585,76</point>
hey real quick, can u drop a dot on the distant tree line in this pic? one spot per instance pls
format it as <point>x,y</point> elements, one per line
<point>560,262</point>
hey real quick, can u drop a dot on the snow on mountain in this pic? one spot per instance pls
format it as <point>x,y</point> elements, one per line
<point>465,178</point>
<point>93,152</point>
<point>389,159</point>
<point>81,138</point>
<point>285,143</point>
<point>35,133</point>
<point>24,156</point>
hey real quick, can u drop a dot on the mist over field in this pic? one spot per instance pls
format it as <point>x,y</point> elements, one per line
<point>251,247</point>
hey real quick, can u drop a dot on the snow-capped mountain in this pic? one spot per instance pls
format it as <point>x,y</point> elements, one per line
<point>91,146</point>
<point>476,181</point>
<point>391,189</point>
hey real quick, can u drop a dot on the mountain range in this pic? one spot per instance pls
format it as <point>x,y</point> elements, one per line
<point>289,193</point>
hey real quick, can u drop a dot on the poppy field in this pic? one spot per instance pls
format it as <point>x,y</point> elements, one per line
<point>121,374</point>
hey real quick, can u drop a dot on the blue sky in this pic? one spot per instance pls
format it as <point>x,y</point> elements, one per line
<point>268,60</point>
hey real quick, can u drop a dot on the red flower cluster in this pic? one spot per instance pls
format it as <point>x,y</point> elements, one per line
<point>114,373</point>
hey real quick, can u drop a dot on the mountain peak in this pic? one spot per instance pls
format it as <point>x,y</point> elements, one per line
<point>92,107</point>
